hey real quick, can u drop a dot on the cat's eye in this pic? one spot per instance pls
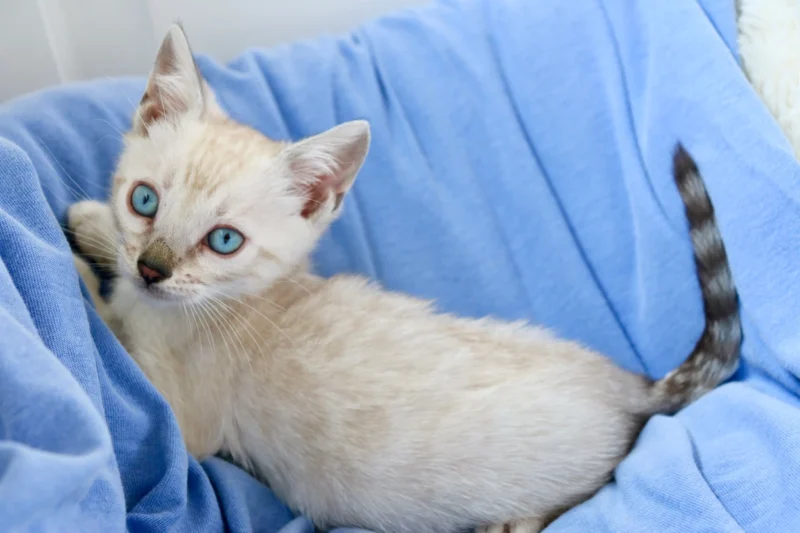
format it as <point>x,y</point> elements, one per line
<point>224,241</point>
<point>144,201</point>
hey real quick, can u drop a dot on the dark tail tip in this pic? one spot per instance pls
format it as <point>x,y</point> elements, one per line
<point>684,170</point>
<point>682,162</point>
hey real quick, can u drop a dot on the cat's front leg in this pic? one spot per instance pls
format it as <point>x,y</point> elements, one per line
<point>528,525</point>
<point>92,283</point>
<point>92,226</point>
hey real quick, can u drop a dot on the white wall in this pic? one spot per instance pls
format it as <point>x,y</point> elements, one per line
<point>45,42</point>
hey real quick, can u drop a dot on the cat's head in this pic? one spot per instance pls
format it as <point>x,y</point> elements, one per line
<point>207,207</point>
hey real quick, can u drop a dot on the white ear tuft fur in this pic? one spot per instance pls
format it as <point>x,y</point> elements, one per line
<point>324,166</point>
<point>175,85</point>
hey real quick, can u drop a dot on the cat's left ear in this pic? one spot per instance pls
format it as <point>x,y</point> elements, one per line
<point>324,167</point>
<point>175,86</point>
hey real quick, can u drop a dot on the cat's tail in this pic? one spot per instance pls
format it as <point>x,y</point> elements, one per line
<point>716,354</point>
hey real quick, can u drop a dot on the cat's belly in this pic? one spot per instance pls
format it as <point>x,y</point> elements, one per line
<point>435,455</point>
<point>439,482</point>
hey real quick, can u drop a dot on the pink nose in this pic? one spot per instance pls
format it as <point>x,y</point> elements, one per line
<point>149,274</point>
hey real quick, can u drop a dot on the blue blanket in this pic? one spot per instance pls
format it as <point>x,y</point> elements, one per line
<point>520,168</point>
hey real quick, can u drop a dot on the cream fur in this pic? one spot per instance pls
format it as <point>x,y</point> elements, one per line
<point>769,46</point>
<point>365,408</point>
<point>361,407</point>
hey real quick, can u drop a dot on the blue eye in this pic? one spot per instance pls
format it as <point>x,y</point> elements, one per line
<point>224,241</point>
<point>144,201</point>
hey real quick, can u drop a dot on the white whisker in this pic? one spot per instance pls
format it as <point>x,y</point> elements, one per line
<point>240,349</point>
<point>209,333</point>
<point>265,317</point>
<point>213,314</point>
<point>248,328</point>
<point>292,280</point>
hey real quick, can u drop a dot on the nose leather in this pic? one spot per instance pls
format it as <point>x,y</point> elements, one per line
<point>156,262</point>
<point>151,273</point>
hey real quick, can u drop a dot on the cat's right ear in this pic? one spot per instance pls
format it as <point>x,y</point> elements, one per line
<point>175,86</point>
<point>323,167</point>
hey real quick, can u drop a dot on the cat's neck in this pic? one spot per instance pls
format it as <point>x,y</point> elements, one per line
<point>264,310</point>
<point>251,323</point>
<point>285,292</point>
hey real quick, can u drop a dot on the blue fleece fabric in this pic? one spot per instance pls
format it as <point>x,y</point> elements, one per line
<point>520,168</point>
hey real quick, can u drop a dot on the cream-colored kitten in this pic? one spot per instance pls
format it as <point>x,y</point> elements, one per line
<point>361,407</point>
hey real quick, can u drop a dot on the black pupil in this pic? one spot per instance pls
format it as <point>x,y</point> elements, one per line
<point>146,198</point>
<point>226,238</point>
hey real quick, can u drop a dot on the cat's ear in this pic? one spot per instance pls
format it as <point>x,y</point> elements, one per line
<point>175,86</point>
<point>324,167</point>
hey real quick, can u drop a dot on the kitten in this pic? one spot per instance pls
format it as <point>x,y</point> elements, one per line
<point>361,407</point>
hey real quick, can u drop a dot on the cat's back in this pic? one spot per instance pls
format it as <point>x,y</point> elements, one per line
<point>352,325</point>
<point>358,322</point>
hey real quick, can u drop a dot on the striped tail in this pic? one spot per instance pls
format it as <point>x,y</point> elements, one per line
<point>716,355</point>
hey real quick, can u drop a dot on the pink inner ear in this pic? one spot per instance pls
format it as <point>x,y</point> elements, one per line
<point>158,103</point>
<point>152,108</point>
<point>151,113</point>
<point>316,194</point>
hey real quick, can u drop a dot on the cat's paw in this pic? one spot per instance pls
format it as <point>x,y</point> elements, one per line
<point>529,525</point>
<point>92,227</point>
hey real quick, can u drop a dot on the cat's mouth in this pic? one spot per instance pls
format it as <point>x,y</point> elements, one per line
<point>157,292</point>
<point>165,295</point>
